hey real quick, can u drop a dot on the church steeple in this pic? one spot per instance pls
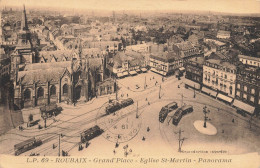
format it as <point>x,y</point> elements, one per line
<point>1,33</point>
<point>24,25</point>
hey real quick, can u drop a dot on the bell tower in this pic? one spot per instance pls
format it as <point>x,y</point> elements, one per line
<point>24,46</point>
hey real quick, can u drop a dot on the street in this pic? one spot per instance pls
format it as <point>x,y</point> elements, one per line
<point>160,137</point>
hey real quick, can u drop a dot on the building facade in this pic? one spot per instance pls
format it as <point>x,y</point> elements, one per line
<point>41,78</point>
<point>165,63</point>
<point>194,69</point>
<point>251,61</point>
<point>248,85</point>
<point>220,76</point>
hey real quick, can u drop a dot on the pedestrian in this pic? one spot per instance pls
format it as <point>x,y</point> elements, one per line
<point>116,145</point>
<point>148,103</point>
<point>53,146</point>
<point>114,151</point>
<point>127,95</point>
<point>143,138</point>
<point>233,120</point>
<point>148,129</point>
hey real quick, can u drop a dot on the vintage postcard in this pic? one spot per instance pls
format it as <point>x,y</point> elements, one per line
<point>130,83</point>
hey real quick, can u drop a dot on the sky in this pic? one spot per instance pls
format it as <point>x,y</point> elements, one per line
<point>227,6</point>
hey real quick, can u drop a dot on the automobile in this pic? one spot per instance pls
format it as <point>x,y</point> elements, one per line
<point>33,123</point>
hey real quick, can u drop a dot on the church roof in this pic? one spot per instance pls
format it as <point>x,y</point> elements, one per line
<point>58,54</point>
<point>40,76</point>
<point>50,65</point>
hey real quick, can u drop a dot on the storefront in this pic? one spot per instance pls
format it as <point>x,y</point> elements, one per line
<point>225,98</point>
<point>192,84</point>
<point>210,92</point>
<point>243,106</point>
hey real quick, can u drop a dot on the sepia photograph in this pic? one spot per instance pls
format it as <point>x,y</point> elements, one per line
<point>130,83</point>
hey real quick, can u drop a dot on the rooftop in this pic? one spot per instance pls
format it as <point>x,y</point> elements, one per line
<point>165,56</point>
<point>249,57</point>
<point>221,63</point>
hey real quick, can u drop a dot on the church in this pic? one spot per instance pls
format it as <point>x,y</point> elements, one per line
<point>47,77</point>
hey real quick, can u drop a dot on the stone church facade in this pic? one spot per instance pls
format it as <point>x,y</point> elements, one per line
<point>42,78</point>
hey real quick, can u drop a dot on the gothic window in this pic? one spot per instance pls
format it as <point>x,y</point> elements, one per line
<point>65,89</point>
<point>253,91</point>
<point>245,96</point>
<point>238,93</point>
<point>52,90</point>
<point>27,94</point>
<point>238,86</point>
<point>40,93</point>
<point>252,99</point>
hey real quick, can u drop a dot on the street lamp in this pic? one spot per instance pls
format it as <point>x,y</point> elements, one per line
<point>205,111</point>
<point>194,92</point>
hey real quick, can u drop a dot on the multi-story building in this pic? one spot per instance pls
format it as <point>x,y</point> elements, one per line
<point>194,71</point>
<point>248,88</point>
<point>165,63</point>
<point>186,50</point>
<point>221,77</point>
<point>126,62</point>
<point>218,45</point>
<point>223,34</point>
<point>251,61</point>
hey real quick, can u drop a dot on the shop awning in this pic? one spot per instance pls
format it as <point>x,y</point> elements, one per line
<point>182,69</point>
<point>125,73</point>
<point>138,70</point>
<point>119,74</point>
<point>133,72</point>
<point>223,97</point>
<point>211,92</point>
<point>192,84</point>
<point>244,106</point>
<point>144,69</point>
<point>153,69</point>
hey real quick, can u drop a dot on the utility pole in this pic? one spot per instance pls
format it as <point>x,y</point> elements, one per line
<point>181,140</point>
<point>160,92</point>
<point>194,92</point>
<point>137,110</point>
<point>59,144</point>
<point>145,82</point>
<point>116,91</point>
<point>205,111</point>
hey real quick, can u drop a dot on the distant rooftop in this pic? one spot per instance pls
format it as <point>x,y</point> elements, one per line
<point>222,63</point>
<point>249,57</point>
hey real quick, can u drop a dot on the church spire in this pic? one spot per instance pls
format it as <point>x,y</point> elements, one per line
<point>24,25</point>
<point>1,33</point>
